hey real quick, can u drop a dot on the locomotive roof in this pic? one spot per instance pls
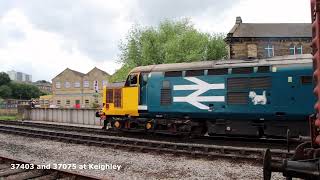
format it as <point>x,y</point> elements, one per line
<point>277,60</point>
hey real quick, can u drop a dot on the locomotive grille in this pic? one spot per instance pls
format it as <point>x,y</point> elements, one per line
<point>238,83</point>
<point>249,83</point>
<point>237,98</point>
<point>260,82</point>
<point>165,97</point>
<point>117,98</point>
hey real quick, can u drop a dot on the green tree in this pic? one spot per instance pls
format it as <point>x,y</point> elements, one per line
<point>4,78</point>
<point>121,74</point>
<point>24,91</point>
<point>5,91</point>
<point>170,42</point>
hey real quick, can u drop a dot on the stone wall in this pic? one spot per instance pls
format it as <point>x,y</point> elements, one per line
<point>70,116</point>
<point>247,49</point>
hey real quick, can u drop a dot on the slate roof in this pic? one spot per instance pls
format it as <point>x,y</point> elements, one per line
<point>269,30</point>
<point>80,73</point>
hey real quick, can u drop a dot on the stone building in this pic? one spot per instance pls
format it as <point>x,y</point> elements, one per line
<point>263,40</point>
<point>44,86</point>
<point>72,89</point>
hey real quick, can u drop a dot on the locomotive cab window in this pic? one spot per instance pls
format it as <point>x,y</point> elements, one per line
<point>132,80</point>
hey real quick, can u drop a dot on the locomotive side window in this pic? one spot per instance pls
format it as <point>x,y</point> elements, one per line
<point>166,95</point>
<point>109,96</point>
<point>173,74</point>
<point>242,70</point>
<point>143,78</point>
<point>306,79</point>
<point>195,73</point>
<point>263,69</point>
<point>218,71</point>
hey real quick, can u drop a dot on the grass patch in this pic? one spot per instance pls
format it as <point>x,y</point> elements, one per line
<point>8,117</point>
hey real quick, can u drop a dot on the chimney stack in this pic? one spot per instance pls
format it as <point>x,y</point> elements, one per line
<point>238,20</point>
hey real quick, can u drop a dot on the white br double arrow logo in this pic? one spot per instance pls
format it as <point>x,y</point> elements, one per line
<point>200,87</point>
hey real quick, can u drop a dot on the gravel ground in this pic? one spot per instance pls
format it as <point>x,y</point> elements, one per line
<point>134,165</point>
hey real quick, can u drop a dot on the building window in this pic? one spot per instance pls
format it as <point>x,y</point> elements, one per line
<point>86,84</point>
<point>269,50</point>
<point>67,84</point>
<point>58,102</point>
<point>87,101</point>
<point>58,85</point>
<point>299,49</point>
<point>77,84</point>
<point>292,49</point>
<point>295,49</point>
<point>67,102</point>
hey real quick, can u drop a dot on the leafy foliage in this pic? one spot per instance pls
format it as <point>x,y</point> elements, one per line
<point>4,78</point>
<point>24,91</point>
<point>5,91</point>
<point>170,42</point>
<point>10,89</point>
<point>121,74</point>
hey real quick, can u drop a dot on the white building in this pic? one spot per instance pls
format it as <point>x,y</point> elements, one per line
<point>19,76</point>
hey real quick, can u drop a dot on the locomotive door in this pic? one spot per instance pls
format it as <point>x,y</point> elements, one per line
<point>143,79</point>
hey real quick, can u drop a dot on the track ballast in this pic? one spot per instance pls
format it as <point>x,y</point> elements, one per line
<point>138,144</point>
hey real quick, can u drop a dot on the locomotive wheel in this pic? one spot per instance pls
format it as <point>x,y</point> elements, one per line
<point>148,125</point>
<point>117,124</point>
<point>267,165</point>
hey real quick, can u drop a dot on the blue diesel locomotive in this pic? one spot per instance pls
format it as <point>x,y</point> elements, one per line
<point>266,97</point>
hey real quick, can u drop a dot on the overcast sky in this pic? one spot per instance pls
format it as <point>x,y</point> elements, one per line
<point>43,37</point>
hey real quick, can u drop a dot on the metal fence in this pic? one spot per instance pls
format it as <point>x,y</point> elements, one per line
<point>71,116</point>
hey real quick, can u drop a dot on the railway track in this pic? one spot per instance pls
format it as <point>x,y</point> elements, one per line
<point>12,169</point>
<point>222,140</point>
<point>145,145</point>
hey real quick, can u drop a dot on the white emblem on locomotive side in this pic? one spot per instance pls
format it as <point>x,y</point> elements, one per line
<point>258,99</point>
<point>200,87</point>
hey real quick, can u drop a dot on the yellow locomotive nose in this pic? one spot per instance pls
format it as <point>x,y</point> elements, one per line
<point>117,125</point>
<point>148,125</point>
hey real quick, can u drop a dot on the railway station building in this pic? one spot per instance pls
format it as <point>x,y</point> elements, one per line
<point>264,40</point>
<point>73,89</point>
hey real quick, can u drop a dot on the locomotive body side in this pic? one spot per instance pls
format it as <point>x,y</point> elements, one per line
<point>256,97</point>
<point>270,98</point>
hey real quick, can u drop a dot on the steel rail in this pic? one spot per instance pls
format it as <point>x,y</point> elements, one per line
<point>202,140</point>
<point>144,145</point>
